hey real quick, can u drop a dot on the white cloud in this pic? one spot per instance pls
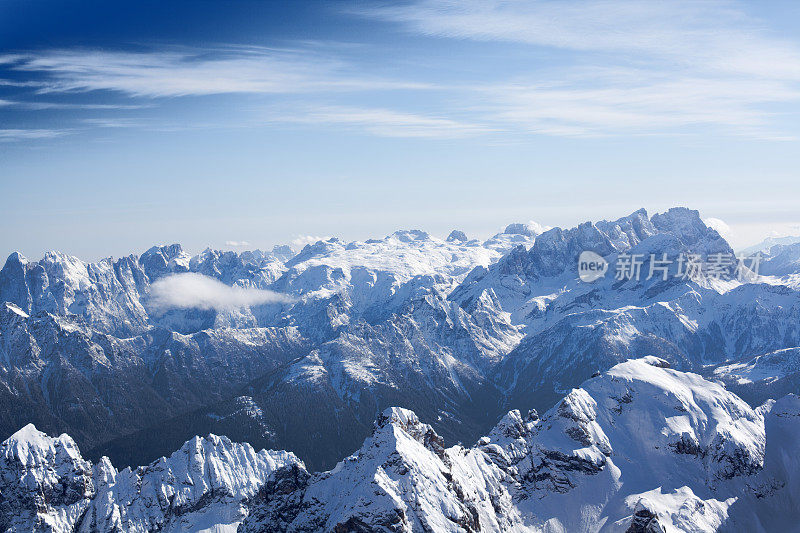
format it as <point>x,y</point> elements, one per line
<point>183,72</point>
<point>26,134</point>
<point>101,107</point>
<point>790,230</point>
<point>384,122</point>
<point>713,34</point>
<point>538,228</point>
<point>587,102</point>
<point>14,83</point>
<point>657,67</point>
<point>719,225</point>
<point>114,122</point>
<point>623,67</point>
<point>196,291</point>
<point>302,240</point>
<point>237,244</point>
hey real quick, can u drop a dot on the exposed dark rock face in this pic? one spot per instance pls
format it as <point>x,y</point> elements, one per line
<point>644,521</point>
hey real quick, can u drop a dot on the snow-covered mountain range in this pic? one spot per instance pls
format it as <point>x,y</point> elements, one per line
<point>458,331</point>
<point>85,351</point>
<point>639,448</point>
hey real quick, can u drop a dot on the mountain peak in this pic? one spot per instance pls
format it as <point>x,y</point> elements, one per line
<point>398,416</point>
<point>529,229</point>
<point>457,236</point>
<point>407,421</point>
<point>680,221</point>
<point>168,250</point>
<point>31,447</point>
<point>28,436</point>
<point>16,258</point>
<point>411,235</point>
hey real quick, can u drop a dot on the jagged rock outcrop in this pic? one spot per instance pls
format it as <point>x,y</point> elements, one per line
<point>45,485</point>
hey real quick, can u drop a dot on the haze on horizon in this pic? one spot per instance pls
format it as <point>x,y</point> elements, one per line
<point>214,124</point>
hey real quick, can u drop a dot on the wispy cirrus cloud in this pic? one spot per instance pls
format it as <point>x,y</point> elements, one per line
<point>631,67</point>
<point>15,83</point>
<point>383,122</point>
<point>610,101</point>
<point>114,123</point>
<point>197,71</point>
<point>10,135</point>
<point>623,68</point>
<point>25,104</point>
<point>712,34</point>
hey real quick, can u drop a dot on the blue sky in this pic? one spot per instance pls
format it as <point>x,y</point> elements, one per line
<point>127,124</point>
